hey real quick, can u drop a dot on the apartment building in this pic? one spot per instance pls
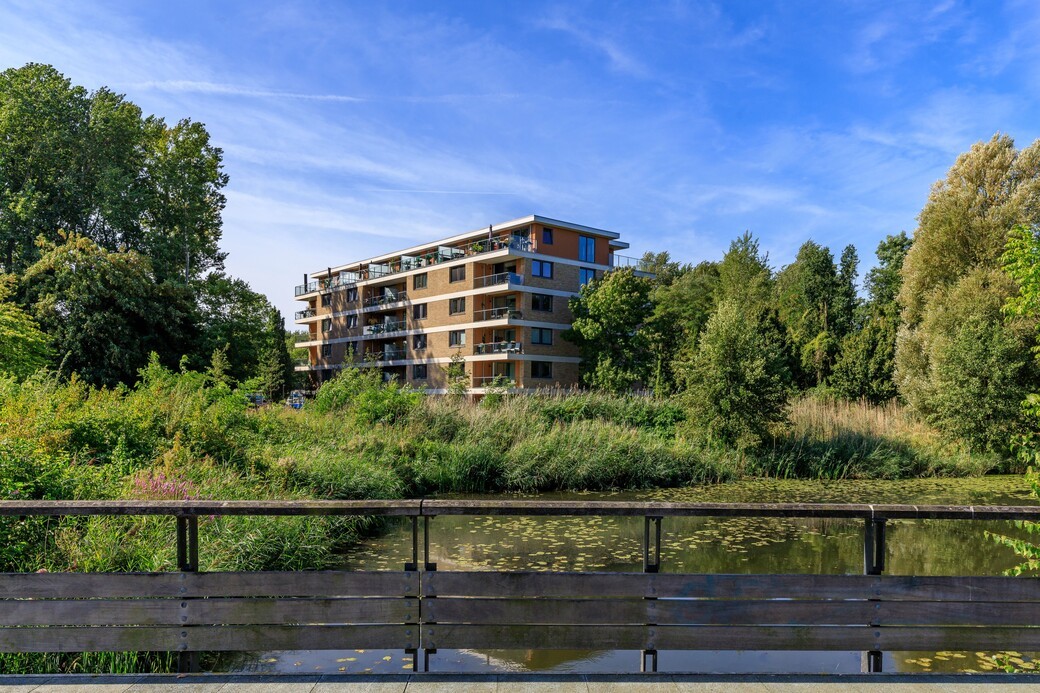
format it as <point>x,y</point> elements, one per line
<point>496,297</point>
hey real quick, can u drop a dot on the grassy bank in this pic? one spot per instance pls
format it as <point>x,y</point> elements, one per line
<point>189,435</point>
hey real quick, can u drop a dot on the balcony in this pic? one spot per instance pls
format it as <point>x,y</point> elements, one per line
<point>340,281</point>
<point>493,380</point>
<point>498,314</point>
<point>386,327</point>
<point>503,347</point>
<point>638,264</point>
<point>500,278</point>
<point>388,353</point>
<point>304,314</point>
<point>386,299</point>
<point>407,263</point>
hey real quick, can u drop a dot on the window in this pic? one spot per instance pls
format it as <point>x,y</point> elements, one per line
<point>585,275</point>
<point>542,302</point>
<point>457,274</point>
<point>541,369</point>
<point>586,249</point>
<point>418,311</point>
<point>351,321</point>
<point>419,281</point>
<point>326,300</point>
<point>419,371</point>
<point>541,335</point>
<point>457,338</point>
<point>326,350</point>
<point>456,305</point>
<point>541,268</point>
<point>351,294</point>
<point>326,324</point>
<point>546,236</point>
<point>419,342</point>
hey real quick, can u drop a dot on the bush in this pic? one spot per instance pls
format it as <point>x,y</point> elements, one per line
<point>737,380</point>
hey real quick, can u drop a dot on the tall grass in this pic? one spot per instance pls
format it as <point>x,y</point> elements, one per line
<point>829,438</point>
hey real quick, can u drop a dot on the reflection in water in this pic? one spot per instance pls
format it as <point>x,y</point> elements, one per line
<point>709,545</point>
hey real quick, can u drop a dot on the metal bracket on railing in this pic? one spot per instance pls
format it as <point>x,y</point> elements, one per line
<point>873,564</point>
<point>874,546</point>
<point>188,562</point>
<point>648,565</point>
<point>427,563</point>
<point>414,563</point>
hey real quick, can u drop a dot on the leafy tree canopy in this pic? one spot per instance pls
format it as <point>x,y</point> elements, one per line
<point>610,315</point>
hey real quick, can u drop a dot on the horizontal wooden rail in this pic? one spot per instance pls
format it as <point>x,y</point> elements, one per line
<point>421,607</point>
<point>433,508</point>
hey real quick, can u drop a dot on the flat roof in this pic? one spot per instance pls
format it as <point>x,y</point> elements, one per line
<point>503,226</point>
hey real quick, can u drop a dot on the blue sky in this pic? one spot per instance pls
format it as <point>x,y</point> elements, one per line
<point>352,128</point>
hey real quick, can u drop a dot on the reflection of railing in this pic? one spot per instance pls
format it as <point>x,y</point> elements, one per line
<point>500,278</point>
<point>503,347</point>
<point>497,314</point>
<point>308,313</point>
<point>385,327</point>
<point>421,606</point>
<point>386,299</point>
<point>497,380</point>
<point>617,261</point>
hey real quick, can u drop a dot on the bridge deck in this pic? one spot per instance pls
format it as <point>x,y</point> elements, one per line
<point>454,683</point>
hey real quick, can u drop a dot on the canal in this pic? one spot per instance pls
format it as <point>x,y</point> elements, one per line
<point>700,545</point>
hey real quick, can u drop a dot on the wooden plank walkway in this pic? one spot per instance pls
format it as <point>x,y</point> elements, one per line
<point>518,683</point>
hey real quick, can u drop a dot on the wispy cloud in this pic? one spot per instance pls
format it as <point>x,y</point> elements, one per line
<point>619,59</point>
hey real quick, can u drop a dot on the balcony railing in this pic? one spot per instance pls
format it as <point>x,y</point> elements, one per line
<point>303,314</point>
<point>386,354</point>
<point>386,327</point>
<point>408,263</point>
<point>340,281</point>
<point>498,314</point>
<point>386,299</point>
<point>500,278</point>
<point>503,347</point>
<point>618,261</point>
<point>486,380</point>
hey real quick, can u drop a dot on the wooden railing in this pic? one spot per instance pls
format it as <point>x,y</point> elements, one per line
<point>420,607</point>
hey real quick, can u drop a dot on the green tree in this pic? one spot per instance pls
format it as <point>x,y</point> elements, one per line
<point>42,122</point>
<point>865,367</point>
<point>980,366</point>
<point>953,346</point>
<point>846,302</point>
<point>183,216</point>
<point>1021,262</point>
<point>609,329</point>
<point>23,347</point>
<point>681,308</point>
<point>744,275</point>
<point>884,281</point>
<point>233,317</point>
<point>104,311</point>
<point>737,381</point>
<point>807,294</point>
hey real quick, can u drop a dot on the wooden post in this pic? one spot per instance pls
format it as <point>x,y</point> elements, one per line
<point>873,564</point>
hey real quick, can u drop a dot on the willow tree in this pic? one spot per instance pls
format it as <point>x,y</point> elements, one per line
<point>951,281</point>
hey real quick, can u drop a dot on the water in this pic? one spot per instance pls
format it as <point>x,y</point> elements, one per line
<point>710,545</point>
